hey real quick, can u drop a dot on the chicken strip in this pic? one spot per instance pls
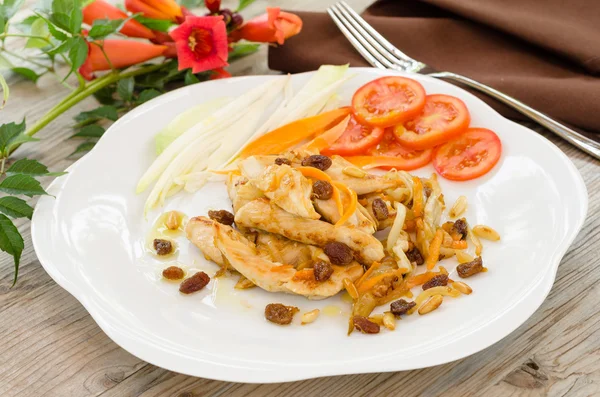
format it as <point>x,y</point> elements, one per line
<point>284,185</point>
<point>367,184</point>
<point>274,276</point>
<point>240,191</point>
<point>260,214</point>
<point>199,231</point>
<point>283,250</point>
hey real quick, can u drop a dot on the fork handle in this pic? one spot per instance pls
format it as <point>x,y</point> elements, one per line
<point>582,142</point>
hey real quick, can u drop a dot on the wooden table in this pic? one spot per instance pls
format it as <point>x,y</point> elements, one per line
<point>50,346</point>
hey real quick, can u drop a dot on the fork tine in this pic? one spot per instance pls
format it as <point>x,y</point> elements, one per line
<point>372,41</point>
<point>382,40</point>
<point>355,43</point>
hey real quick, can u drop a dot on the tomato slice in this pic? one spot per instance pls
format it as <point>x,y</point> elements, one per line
<point>469,155</point>
<point>390,154</point>
<point>355,140</point>
<point>388,101</point>
<point>442,118</point>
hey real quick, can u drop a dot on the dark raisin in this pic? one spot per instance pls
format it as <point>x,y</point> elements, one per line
<point>322,190</point>
<point>460,227</point>
<point>280,314</point>
<point>401,307</point>
<point>173,273</point>
<point>468,269</point>
<point>222,216</point>
<point>338,253</point>
<point>427,190</point>
<point>322,270</point>
<point>414,255</point>
<point>194,283</point>
<point>440,280</point>
<point>163,247</point>
<point>380,210</point>
<point>365,326</point>
<point>282,161</point>
<point>317,161</point>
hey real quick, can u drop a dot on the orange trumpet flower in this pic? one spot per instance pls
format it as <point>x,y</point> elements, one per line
<point>100,9</point>
<point>121,53</point>
<point>157,9</point>
<point>273,27</point>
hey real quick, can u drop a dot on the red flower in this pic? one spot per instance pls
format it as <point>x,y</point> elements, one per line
<point>201,43</point>
<point>100,9</point>
<point>219,74</point>
<point>122,53</point>
<point>157,9</point>
<point>273,27</point>
<point>213,5</point>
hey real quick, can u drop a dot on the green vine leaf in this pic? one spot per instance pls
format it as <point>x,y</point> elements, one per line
<point>15,207</point>
<point>12,135</point>
<point>125,88</point>
<point>243,4</point>
<point>103,112</point>
<point>11,242</point>
<point>104,27</point>
<point>241,50</point>
<point>38,28</point>
<point>146,95</point>
<point>190,78</point>
<point>27,73</point>
<point>83,148</point>
<point>22,184</point>
<point>30,167</point>
<point>78,52</point>
<point>90,131</point>
<point>8,9</point>
<point>154,24</point>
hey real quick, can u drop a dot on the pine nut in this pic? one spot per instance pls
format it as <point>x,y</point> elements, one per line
<point>389,321</point>
<point>310,316</point>
<point>354,172</point>
<point>377,319</point>
<point>459,207</point>
<point>486,232</point>
<point>172,222</point>
<point>462,287</point>
<point>431,304</point>
<point>463,257</point>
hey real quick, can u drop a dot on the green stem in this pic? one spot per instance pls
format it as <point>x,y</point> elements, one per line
<point>29,36</point>
<point>26,59</point>
<point>79,95</point>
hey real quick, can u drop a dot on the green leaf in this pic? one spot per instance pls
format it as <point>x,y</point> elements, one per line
<point>104,27</point>
<point>190,78</point>
<point>5,92</point>
<point>30,167</point>
<point>62,47</point>
<point>146,95</point>
<point>11,242</point>
<point>125,88</point>
<point>61,20</point>
<point>103,112</point>
<point>83,148</point>
<point>76,20</point>
<point>38,28</point>
<point>105,95</point>
<point>78,52</point>
<point>154,24</point>
<point>90,131</point>
<point>63,6</point>
<point>7,10</point>
<point>22,184</point>
<point>8,132</point>
<point>243,4</point>
<point>56,32</point>
<point>241,50</point>
<point>25,25</point>
<point>5,63</point>
<point>15,207</point>
<point>27,73</point>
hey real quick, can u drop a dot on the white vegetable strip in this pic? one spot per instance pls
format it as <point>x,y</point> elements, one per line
<point>396,226</point>
<point>221,119</point>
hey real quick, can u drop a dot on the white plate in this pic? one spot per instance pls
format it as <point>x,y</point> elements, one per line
<point>91,237</point>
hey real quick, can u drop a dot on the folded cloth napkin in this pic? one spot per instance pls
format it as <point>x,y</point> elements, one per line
<point>544,53</point>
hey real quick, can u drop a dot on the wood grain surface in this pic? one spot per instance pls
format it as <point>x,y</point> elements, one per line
<point>50,346</point>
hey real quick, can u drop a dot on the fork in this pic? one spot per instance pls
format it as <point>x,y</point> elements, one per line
<point>382,54</point>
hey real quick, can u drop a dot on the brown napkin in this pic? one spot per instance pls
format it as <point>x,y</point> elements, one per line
<point>545,53</point>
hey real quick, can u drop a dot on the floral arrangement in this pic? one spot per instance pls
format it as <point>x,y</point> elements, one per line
<point>123,57</point>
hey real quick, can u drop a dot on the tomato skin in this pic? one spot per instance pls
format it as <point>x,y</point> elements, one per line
<point>355,140</point>
<point>389,154</point>
<point>469,155</point>
<point>387,101</point>
<point>443,117</point>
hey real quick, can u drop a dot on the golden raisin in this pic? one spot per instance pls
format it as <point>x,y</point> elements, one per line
<point>280,314</point>
<point>194,283</point>
<point>173,273</point>
<point>222,216</point>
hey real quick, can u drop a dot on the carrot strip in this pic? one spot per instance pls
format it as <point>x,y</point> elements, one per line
<point>351,209</point>
<point>288,136</point>
<point>315,173</point>
<point>417,206</point>
<point>373,281</point>
<point>329,137</point>
<point>367,273</point>
<point>420,279</point>
<point>459,245</point>
<point>434,249</point>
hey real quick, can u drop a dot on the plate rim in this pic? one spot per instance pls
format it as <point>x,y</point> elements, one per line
<point>537,295</point>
